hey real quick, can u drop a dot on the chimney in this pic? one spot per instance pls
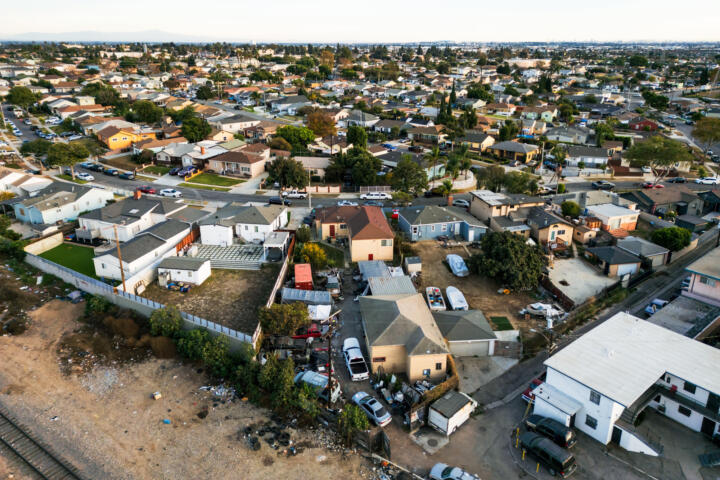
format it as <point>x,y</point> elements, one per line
<point>202,150</point>
<point>137,194</point>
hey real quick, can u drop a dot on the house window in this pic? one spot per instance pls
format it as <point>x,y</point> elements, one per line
<point>114,139</point>
<point>432,228</point>
<point>189,274</point>
<point>22,211</point>
<point>689,387</point>
<point>256,229</point>
<point>102,265</point>
<point>378,359</point>
<point>438,366</point>
<point>594,397</point>
<point>684,411</point>
<point>561,232</point>
<point>426,372</point>
<point>707,281</point>
<point>443,228</point>
<point>343,226</point>
<point>591,422</point>
<point>415,229</point>
<point>385,243</point>
<point>246,227</point>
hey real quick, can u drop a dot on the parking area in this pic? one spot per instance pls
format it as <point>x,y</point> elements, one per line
<point>578,280</point>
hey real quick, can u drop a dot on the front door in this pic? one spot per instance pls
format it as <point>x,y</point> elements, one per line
<point>370,256</point>
<point>713,402</point>
<point>616,435</point>
<point>332,230</point>
<point>708,427</point>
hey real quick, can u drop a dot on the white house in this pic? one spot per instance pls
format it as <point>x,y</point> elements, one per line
<point>247,222</point>
<point>60,202</point>
<point>592,157</point>
<point>601,383</point>
<point>20,183</point>
<point>234,123</point>
<point>185,269</point>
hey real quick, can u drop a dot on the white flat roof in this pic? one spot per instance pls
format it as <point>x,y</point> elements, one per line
<point>610,210</point>
<point>624,356</point>
<point>557,399</point>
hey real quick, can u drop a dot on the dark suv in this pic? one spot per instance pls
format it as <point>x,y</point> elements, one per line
<point>554,430</point>
<point>557,460</point>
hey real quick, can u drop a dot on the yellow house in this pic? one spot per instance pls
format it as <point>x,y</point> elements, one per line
<point>367,229</point>
<point>402,336</point>
<point>549,229</point>
<point>485,204</point>
<point>122,138</point>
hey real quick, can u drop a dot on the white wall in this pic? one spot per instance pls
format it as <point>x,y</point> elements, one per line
<point>188,276</point>
<point>631,443</point>
<point>253,233</point>
<point>693,422</point>
<point>541,407</point>
<point>216,235</point>
<point>125,232</point>
<point>700,395</point>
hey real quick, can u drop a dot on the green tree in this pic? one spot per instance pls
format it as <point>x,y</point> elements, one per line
<point>655,100</point>
<point>67,155</point>
<point>297,137</point>
<point>445,188</point>
<point>195,129</point>
<point>103,94</point>
<point>38,147</point>
<point>279,143</point>
<point>508,131</point>
<point>707,130</point>
<point>638,61</point>
<point>507,258</point>
<point>491,178</point>
<point>659,153</point>
<point>205,93</point>
<point>672,238</point>
<point>283,319</point>
<point>302,234</point>
<point>166,321</point>
<point>288,173</point>
<point>146,112</point>
<point>191,342</point>
<point>21,96</point>
<point>409,177</point>
<point>357,136</point>
<point>215,355</point>
<point>314,254</point>
<point>432,158</point>
<point>518,182</point>
<point>603,132</point>
<point>282,398</point>
<point>570,209</point>
<point>561,188</point>
<point>351,421</point>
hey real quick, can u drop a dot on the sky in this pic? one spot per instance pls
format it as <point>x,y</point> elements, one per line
<point>376,21</point>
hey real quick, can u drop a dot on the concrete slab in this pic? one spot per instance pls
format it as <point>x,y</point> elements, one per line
<point>475,372</point>
<point>167,179</point>
<point>577,279</point>
<point>430,440</point>
<point>684,315</point>
<point>250,186</point>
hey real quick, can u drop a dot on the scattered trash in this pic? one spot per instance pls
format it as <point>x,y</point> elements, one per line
<point>156,396</point>
<point>320,458</point>
<point>166,421</point>
<point>53,419</point>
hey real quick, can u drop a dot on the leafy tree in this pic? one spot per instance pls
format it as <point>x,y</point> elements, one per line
<point>288,173</point>
<point>481,92</point>
<point>314,254</point>
<point>357,136</point>
<point>508,131</point>
<point>409,177</point>
<point>283,319</point>
<point>659,153</point>
<point>205,93</point>
<point>491,178</point>
<point>672,238</point>
<point>402,198</point>
<point>351,421</point>
<point>603,132</point>
<point>268,373</point>
<point>570,209</point>
<point>321,123</point>
<point>103,94</point>
<point>67,155</point>
<point>38,147</point>
<point>166,321</point>
<point>707,130</point>
<point>507,258</point>
<point>96,305</point>
<point>195,129</point>
<point>519,182</point>
<point>432,158</point>
<point>561,188</point>
<point>215,356</point>
<point>191,342</point>
<point>146,112</point>
<point>445,188</point>
<point>21,96</point>
<point>282,397</point>
<point>655,100</point>
<point>182,114</point>
<point>302,234</point>
<point>297,137</point>
<point>638,61</point>
<point>365,167</point>
<point>279,143</point>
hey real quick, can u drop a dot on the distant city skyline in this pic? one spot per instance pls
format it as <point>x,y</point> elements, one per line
<point>372,21</point>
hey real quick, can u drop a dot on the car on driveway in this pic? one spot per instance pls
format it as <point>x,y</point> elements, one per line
<point>127,176</point>
<point>372,408</point>
<point>707,180</point>
<point>603,185</point>
<point>174,171</point>
<point>354,360</point>
<point>85,176</point>
<point>170,192</point>
<point>279,201</point>
<point>461,203</point>
<point>551,428</point>
<point>443,471</point>
<point>653,185</point>
<point>146,189</point>
<point>376,196</point>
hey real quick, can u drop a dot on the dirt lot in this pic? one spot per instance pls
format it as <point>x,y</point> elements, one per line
<point>124,162</point>
<point>104,421</point>
<point>229,297</point>
<point>480,292</point>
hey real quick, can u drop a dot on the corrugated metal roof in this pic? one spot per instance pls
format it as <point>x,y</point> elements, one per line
<point>450,403</point>
<point>308,297</point>
<point>391,286</point>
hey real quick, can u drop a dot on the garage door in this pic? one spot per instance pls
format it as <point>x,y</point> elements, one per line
<point>625,269</point>
<point>468,349</point>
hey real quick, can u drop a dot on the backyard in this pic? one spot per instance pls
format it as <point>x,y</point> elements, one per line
<point>229,297</point>
<point>75,257</point>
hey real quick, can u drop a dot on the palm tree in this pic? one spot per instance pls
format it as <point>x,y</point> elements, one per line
<point>446,188</point>
<point>432,157</point>
<point>466,164</point>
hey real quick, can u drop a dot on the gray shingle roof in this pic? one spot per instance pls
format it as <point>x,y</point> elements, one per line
<point>613,255</point>
<point>641,247</point>
<point>56,195</point>
<point>130,209</point>
<point>183,263</point>
<point>463,325</point>
<point>427,214</point>
<point>514,147</point>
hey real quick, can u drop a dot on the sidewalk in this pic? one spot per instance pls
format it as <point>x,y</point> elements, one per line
<point>250,186</point>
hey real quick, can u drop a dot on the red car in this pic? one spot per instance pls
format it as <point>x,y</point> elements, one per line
<point>527,395</point>
<point>313,331</point>
<point>146,189</point>
<point>652,185</point>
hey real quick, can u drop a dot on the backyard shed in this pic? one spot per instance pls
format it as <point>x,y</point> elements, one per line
<point>450,411</point>
<point>185,269</point>
<point>308,297</point>
<point>467,332</point>
<point>413,265</point>
<point>303,276</point>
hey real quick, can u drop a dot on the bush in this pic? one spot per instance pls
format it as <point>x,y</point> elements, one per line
<point>351,421</point>
<point>95,305</point>
<point>166,322</point>
<point>570,209</point>
<point>561,188</point>
<point>302,234</point>
<point>672,238</point>
<point>190,343</point>
<point>313,254</point>
<point>283,319</point>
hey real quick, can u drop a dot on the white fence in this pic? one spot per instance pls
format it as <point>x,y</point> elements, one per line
<point>128,300</point>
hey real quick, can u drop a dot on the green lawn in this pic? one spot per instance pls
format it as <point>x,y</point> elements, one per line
<point>156,169</point>
<point>75,257</point>
<point>214,179</point>
<point>336,257</point>
<point>205,187</point>
<point>69,178</point>
<point>501,323</point>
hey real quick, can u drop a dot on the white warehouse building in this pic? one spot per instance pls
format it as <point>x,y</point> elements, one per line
<point>601,383</point>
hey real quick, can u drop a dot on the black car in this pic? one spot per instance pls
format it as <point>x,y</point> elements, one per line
<point>557,460</point>
<point>111,172</point>
<point>308,220</point>
<point>603,185</point>
<point>677,180</point>
<point>127,176</point>
<point>174,171</point>
<point>554,430</point>
<point>279,201</point>
<point>95,167</point>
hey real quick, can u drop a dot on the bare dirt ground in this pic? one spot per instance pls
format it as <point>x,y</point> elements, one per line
<point>480,292</point>
<point>103,421</point>
<point>229,297</point>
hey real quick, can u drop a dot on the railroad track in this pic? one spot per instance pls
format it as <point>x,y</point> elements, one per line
<point>42,462</point>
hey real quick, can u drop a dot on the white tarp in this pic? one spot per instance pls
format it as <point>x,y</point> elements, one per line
<point>319,312</point>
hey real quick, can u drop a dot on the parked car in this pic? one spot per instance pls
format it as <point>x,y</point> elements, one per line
<point>416,149</point>
<point>707,180</point>
<point>85,176</point>
<point>603,185</point>
<point>554,430</point>
<point>653,185</point>
<point>186,171</point>
<point>294,194</point>
<point>376,196</point>
<point>279,201</point>
<point>646,170</point>
<point>461,203</point>
<point>112,172</point>
<point>96,167</point>
<point>557,460</point>
<point>373,203</point>
<point>170,192</point>
<point>656,305</point>
<point>127,176</point>
<point>677,180</point>
<point>372,408</point>
<point>308,220</point>
<point>443,471</point>
<point>174,171</point>
<point>346,203</point>
<point>146,189</point>
<point>312,331</point>
<point>354,360</point>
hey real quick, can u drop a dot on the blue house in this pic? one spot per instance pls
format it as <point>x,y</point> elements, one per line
<point>427,222</point>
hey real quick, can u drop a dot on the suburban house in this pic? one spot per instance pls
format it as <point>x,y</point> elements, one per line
<point>692,222</point>
<point>614,261</point>
<point>548,229</point>
<point>402,337</point>
<point>642,123</point>
<point>428,135</point>
<point>359,118</point>
<point>546,113</point>
<point>591,157</point>
<point>485,204</point>
<point>238,163</point>
<point>387,126</point>
<point>711,200</point>
<point>654,255</point>
<point>426,222</point>
<point>315,166</point>
<point>705,279</point>
<point>568,135</point>
<point>467,332</point>
<point>251,223</point>
<point>60,202</point>
<point>521,152</point>
<point>475,140</point>
<point>185,269</point>
<point>123,138</point>
<point>234,123</point>
<point>391,160</point>
<point>367,229</point>
<point>673,198</point>
<point>289,105</point>
<point>603,381</point>
<point>330,145</point>
<point>21,183</point>
<point>145,250</point>
<point>614,217</point>
<point>127,217</point>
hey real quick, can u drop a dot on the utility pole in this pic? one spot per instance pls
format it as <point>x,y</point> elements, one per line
<point>122,271</point>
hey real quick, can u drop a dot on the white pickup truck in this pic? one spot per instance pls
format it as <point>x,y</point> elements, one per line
<point>294,194</point>
<point>354,360</point>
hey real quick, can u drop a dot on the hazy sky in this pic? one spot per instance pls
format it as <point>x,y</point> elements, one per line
<point>377,20</point>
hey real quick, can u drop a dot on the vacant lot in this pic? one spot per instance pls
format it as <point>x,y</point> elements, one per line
<point>214,179</point>
<point>480,292</point>
<point>229,297</point>
<point>75,257</point>
<point>124,162</point>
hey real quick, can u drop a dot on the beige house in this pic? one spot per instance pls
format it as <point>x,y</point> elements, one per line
<point>238,163</point>
<point>402,337</point>
<point>549,229</point>
<point>367,229</point>
<point>485,204</point>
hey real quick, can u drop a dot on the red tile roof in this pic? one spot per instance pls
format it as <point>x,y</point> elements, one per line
<point>364,223</point>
